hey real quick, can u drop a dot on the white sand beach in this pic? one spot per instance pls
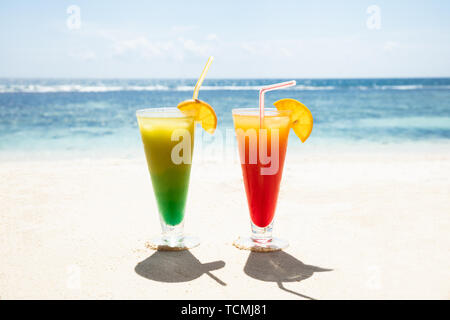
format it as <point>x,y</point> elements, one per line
<point>361,225</point>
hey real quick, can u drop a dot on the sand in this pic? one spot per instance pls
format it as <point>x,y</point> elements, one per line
<point>372,224</point>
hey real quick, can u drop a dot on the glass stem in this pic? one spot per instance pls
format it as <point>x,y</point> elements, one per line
<point>172,234</point>
<point>262,235</point>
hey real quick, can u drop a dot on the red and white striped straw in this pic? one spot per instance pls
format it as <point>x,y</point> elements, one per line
<point>271,87</point>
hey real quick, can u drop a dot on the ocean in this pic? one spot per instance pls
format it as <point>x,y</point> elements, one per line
<point>47,117</point>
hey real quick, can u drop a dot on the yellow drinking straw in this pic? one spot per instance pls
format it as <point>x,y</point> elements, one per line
<point>202,77</point>
<point>200,110</point>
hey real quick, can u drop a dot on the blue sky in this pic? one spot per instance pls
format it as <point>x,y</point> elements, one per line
<point>249,39</point>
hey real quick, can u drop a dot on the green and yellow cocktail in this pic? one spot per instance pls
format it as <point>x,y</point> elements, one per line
<point>168,138</point>
<point>166,134</point>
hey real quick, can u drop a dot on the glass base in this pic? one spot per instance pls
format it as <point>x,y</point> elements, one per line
<point>261,240</point>
<point>162,243</point>
<point>258,245</point>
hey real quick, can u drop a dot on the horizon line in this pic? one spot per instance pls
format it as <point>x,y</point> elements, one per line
<point>220,78</point>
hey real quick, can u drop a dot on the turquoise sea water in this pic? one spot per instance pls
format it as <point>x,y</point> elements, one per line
<point>75,116</point>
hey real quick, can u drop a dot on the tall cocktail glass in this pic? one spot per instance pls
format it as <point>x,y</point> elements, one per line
<point>168,138</point>
<point>262,150</point>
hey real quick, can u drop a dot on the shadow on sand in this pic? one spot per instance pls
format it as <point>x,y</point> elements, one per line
<point>279,267</point>
<point>176,266</point>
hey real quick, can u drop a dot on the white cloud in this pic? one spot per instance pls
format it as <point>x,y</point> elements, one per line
<point>84,55</point>
<point>248,47</point>
<point>212,37</point>
<point>270,48</point>
<point>195,48</point>
<point>390,46</point>
<point>143,47</point>
<point>256,47</point>
<point>286,52</point>
<point>183,29</point>
<point>123,44</point>
<point>263,57</point>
